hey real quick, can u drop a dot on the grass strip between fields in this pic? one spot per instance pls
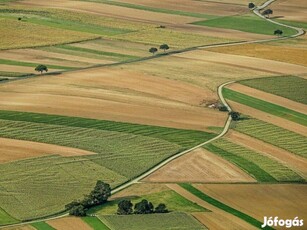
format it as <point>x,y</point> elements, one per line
<point>98,52</point>
<point>29,64</point>
<point>5,218</point>
<point>152,9</point>
<point>95,223</point>
<point>265,106</point>
<point>223,206</point>
<point>42,226</point>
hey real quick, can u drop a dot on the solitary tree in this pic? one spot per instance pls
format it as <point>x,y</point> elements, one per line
<point>251,5</point>
<point>267,12</point>
<point>124,207</point>
<point>143,207</point>
<point>41,68</point>
<point>153,50</point>
<point>164,47</point>
<point>278,32</point>
<point>235,115</point>
<point>161,208</point>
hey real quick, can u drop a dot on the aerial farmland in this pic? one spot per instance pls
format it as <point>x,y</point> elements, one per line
<point>153,114</point>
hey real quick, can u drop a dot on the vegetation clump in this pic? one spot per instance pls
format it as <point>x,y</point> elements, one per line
<point>142,207</point>
<point>41,68</point>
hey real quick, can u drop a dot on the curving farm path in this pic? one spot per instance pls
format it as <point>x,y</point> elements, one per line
<point>256,11</point>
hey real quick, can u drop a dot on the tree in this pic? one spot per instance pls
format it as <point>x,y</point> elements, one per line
<point>278,32</point>
<point>153,50</point>
<point>78,210</point>
<point>164,47</point>
<point>101,193</point>
<point>124,207</point>
<point>41,68</point>
<point>235,115</point>
<point>143,207</point>
<point>161,208</point>
<point>251,5</point>
<point>267,12</point>
<point>72,204</point>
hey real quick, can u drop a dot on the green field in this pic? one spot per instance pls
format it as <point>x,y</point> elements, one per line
<point>274,135</point>
<point>173,201</point>
<point>95,223</point>
<point>246,23</point>
<point>13,74</point>
<point>261,167</point>
<point>42,226</point>
<point>178,221</point>
<point>265,106</point>
<point>152,9</point>
<point>5,218</point>
<point>291,87</point>
<point>222,206</point>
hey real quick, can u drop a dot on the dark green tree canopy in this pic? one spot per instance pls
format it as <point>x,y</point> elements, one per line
<point>101,193</point>
<point>161,208</point>
<point>267,12</point>
<point>235,115</point>
<point>78,210</point>
<point>153,50</point>
<point>125,207</point>
<point>41,68</point>
<point>143,207</point>
<point>164,47</point>
<point>278,32</point>
<point>251,5</point>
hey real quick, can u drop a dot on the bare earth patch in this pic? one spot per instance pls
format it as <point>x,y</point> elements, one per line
<point>295,162</point>
<point>199,166</point>
<point>217,219</point>
<point>286,124</point>
<point>11,150</point>
<point>69,223</point>
<point>284,200</point>
<point>299,107</point>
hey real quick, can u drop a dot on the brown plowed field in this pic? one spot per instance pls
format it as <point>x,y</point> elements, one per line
<point>117,95</point>
<point>11,150</point>
<point>69,223</point>
<point>299,107</point>
<point>286,124</point>
<point>199,166</point>
<point>245,62</point>
<point>294,55</point>
<point>218,219</point>
<point>258,200</point>
<point>295,162</point>
<point>294,10</point>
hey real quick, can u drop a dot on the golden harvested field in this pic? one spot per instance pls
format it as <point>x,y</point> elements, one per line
<point>294,55</point>
<point>302,108</point>
<point>293,161</point>
<point>286,124</point>
<point>31,35</point>
<point>69,223</point>
<point>12,150</point>
<point>284,200</point>
<point>217,219</point>
<point>113,94</point>
<point>200,166</point>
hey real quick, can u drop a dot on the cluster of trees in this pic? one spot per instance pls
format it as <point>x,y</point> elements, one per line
<point>125,207</point>
<point>153,50</point>
<point>99,195</point>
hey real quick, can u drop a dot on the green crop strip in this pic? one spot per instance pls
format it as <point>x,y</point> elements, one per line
<point>267,107</point>
<point>95,223</point>
<point>222,206</point>
<point>42,226</point>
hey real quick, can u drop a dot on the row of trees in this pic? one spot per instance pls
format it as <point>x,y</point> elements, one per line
<point>125,207</point>
<point>153,50</point>
<point>99,195</point>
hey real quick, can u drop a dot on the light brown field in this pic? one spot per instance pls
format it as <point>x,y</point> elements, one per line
<point>11,150</point>
<point>294,10</point>
<point>110,11</point>
<point>111,94</point>
<point>199,166</point>
<point>293,161</point>
<point>269,97</point>
<point>69,223</point>
<point>284,200</point>
<point>245,62</point>
<point>205,7</point>
<point>294,55</point>
<point>286,124</point>
<point>217,219</point>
